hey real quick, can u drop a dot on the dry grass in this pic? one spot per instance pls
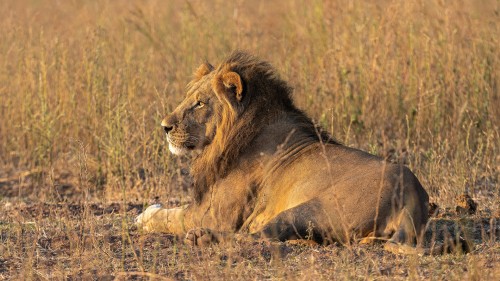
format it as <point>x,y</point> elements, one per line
<point>84,85</point>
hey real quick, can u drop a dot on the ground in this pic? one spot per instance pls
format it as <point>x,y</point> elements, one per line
<point>95,240</point>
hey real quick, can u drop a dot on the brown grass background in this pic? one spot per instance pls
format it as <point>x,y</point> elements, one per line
<point>85,84</point>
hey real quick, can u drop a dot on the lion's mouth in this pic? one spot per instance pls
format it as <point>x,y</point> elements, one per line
<point>176,150</point>
<point>179,147</point>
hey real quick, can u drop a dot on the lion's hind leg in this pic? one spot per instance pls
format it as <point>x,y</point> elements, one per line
<point>306,221</point>
<point>406,236</point>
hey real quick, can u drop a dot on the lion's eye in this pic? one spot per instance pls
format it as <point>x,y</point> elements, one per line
<point>199,104</point>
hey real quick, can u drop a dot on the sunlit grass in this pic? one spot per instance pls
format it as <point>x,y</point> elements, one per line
<point>85,84</point>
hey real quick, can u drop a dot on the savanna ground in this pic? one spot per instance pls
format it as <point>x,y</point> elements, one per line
<point>85,84</point>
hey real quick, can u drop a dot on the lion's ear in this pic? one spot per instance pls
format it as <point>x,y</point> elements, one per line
<point>203,70</point>
<point>232,82</point>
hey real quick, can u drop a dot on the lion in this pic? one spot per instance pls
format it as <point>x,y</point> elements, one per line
<point>265,170</point>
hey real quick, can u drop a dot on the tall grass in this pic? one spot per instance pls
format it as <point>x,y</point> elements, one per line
<point>416,81</point>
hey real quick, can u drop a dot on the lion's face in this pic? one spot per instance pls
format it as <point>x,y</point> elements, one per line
<point>212,96</point>
<point>192,124</point>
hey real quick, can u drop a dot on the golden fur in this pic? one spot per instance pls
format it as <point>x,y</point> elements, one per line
<point>264,168</point>
<point>235,132</point>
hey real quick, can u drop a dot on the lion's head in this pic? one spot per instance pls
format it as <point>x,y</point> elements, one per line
<point>224,109</point>
<point>193,123</point>
<point>216,98</point>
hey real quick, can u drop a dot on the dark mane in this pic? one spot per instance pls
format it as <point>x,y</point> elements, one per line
<point>267,99</point>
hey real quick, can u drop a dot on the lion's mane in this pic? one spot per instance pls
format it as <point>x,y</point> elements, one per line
<point>266,98</point>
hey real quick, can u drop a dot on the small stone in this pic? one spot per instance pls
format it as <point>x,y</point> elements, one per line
<point>8,206</point>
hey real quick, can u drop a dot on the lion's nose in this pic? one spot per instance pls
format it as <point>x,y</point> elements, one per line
<point>168,123</point>
<point>167,129</point>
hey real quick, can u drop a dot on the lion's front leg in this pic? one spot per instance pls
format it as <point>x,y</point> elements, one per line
<point>158,219</point>
<point>202,237</point>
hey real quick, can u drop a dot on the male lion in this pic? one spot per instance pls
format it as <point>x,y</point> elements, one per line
<point>266,170</point>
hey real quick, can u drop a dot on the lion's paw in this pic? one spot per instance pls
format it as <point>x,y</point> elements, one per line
<point>200,237</point>
<point>402,249</point>
<point>141,221</point>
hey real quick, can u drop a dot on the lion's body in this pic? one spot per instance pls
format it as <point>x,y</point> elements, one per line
<point>265,169</point>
